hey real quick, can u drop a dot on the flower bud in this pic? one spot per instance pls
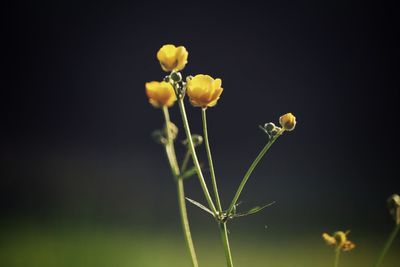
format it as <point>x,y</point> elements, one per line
<point>394,207</point>
<point>269,127</point>
<point>197,140</point>
<point>173,130</point>
<point>288,121</point>
<point>176,76</point>
<point>159,137</point>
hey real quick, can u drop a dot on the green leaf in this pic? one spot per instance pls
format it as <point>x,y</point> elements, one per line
<point>189,173</point>
<point>199,205</point>
<point>253,210</point>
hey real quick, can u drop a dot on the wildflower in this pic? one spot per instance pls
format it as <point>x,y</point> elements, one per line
<point>288,121</point>
<point>160,94</point>
<point>330,240</point>
<point>172,58</point>
<point>203,90</point>
<point>339,239</point>
<point>394,207</point>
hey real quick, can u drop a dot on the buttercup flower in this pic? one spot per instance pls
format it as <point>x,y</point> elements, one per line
<point>339,239</point>
<point>330,240</point>
<point>288,121</point>
<point>394,207</point>
<point>160,94</point>
<point>172,58</point>
<point>203,90</point>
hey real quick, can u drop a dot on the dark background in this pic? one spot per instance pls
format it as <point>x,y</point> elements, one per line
<point>76,125</point>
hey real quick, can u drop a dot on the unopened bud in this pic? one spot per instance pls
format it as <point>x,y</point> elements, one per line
<point>176,76</point>
<point>288,121</point>
<point>173,130</point>
<point>394,207</point>
<point>159,137</point>
<point>197,140</point>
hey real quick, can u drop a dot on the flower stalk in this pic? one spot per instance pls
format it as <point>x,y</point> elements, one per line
<point>337,257</point>
<point>194,157</point>
<point>210,161</point>
<point>223,225</point>
<point>170,150</point>
<point>251,169</point>
<point>387,246</point>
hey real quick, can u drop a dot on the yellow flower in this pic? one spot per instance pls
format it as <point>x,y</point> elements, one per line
<point>172,57</point>
<point>394,207</point>
<point>339,239</point>
<point>160,94</point>
<point>288,121</point>
<point>330,240</point>
<point>203,90</point>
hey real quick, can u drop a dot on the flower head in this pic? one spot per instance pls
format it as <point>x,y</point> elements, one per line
<point>203,90</point>
<point>394,207</point>
<point>288,121</point>
<point>172,58</point>
<point>160,94</point>
<point>339,239</point>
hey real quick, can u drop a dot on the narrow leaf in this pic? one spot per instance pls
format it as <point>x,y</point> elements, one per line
<point>189,173</point>
<point>199,205</point>
<point>253,210</point>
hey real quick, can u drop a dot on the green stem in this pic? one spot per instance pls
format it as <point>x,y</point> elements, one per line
<point>185,161</point>
<point>337,256</point>
<point>210,161</point>
<point>170,150</point>
<point>387,245</point>
<point>225,240</point>
<point>223,226</point>
<point>251,169</point>
<point>185,222</point>
<point>194,157</point>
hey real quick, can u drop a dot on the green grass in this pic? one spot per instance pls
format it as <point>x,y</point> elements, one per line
<point>33,246</point>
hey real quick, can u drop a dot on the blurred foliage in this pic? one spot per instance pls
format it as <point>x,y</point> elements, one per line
<point>88,245</point>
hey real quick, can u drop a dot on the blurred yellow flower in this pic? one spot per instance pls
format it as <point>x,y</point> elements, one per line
<point>172,58</point>
<point>330,240</point>
<point>203,90</point>
<point>288,121</point>
<point>339,239</point>
<point>160,94</point>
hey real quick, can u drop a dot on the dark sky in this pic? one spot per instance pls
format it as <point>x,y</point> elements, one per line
<point>76,123</point>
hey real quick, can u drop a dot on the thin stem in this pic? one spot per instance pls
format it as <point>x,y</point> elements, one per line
<point>387,245</point>
<point>185,222</point>
<point>337,256</point>
<point>210,161</point>
<point>185,161</point>
<point>223,226</point>
<point>170,150</point>
<point>225,240</point>
<point>194,157</point>
<point>251,169</point>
